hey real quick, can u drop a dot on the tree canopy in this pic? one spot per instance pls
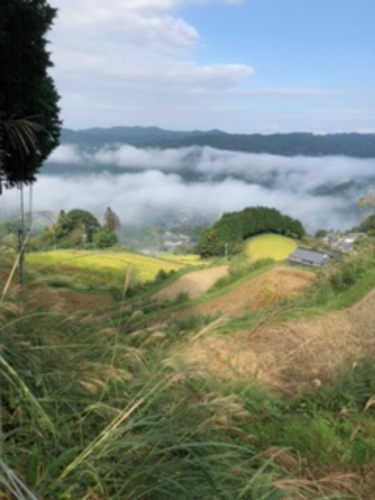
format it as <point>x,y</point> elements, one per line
<point>227,234</point>
<point>26,89</point>
<point>111,220</point>
<point>76,219</point>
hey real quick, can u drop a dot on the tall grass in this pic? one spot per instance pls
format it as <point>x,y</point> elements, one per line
<point>93,412</point>
<point>85,414</point>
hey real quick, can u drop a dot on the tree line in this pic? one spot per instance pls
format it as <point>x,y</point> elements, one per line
<point>74,229</point>
<point>287,144</point>
<point>227,235</point>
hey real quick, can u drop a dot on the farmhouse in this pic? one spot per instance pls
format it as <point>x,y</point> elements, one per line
<point>311,257</point>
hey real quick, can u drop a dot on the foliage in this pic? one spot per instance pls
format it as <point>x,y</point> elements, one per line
<point>81,404</point>
<point>105,238</point>
<point>320,233</point>
<point>228,234</point>
<point>350,270</point>
<point>8,228</point>
<point>111,221</point>
<point>27,91</point>
<point>368,200</point>
<point>85,399</point>
<point>79,225</point>
<point>10,241</point>
<point>368,225</point>
<point>341,284</point>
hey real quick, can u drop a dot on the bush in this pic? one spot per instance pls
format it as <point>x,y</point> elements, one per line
<point>105,238</point>
<point>346,275</point>
<point>10,241</point>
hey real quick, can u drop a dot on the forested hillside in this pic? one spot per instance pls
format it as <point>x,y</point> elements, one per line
<point>228,234</point>
<point>307,144</point>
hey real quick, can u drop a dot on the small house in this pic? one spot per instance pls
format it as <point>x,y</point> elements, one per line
<point>310,257</point>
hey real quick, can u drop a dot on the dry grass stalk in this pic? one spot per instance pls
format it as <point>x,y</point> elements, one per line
<point>225,412</point>
<point>332,483</point>
<point>12,376</point>
<point>134,356</point>
<point>107,372</point>
<point>11,307</point>
<point>370,403</point>
<point>283,458</point>
<point>211,326</point>
<point>103,436</point>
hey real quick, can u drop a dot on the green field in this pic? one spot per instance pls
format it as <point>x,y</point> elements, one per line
<point>270,246</point>
<point>186,260</point>
<point>115,263</point>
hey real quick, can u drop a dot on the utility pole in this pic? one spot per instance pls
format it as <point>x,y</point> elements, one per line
<point>226,251</point>
<point>21,237</point>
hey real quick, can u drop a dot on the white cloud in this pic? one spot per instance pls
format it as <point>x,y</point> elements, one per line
<point>144,196</point>
<point>121,56</point>
<point>135,62</point>
<point>219,181</point>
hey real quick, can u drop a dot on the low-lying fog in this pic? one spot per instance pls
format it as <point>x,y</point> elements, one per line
<point>142,185</point>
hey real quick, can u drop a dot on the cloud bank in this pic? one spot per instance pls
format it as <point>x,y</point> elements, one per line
<point>150,185</point>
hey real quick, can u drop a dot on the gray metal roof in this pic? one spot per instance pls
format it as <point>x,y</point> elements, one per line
<point>310,256</point>
<point>345,245</point>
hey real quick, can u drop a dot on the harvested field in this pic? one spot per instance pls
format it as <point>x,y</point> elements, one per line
<point>262,292</point>
<point>194,284</point>
<point>292,356</point>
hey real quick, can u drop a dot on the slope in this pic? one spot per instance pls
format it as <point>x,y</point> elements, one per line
<point>292,356</point>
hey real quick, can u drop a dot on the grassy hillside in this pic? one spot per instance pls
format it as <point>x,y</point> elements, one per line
<point>115,263</point>
<point>106,406</point>
<point>270,246</point>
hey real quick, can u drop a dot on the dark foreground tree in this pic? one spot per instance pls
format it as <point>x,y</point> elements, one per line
<point>27,92</point>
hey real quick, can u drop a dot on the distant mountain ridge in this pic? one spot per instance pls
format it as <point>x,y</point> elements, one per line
<point>292,144</point>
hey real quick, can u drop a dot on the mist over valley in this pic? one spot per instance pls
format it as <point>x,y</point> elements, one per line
<point>198,183</point>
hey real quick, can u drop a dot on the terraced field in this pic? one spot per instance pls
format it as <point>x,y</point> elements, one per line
<point>146,268</point>
<point>270,246</point>
<point>263,292</point>
<point>186,260</point>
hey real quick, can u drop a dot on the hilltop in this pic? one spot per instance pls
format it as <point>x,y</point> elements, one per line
<point>291,144</point>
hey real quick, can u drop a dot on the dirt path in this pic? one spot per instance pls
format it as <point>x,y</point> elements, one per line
<point>292,356</point>
<point>262,292</point>
<point>194,284</point>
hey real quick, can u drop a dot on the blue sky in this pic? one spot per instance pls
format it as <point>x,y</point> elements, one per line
<point>311,42</point>
<point>241,66</point>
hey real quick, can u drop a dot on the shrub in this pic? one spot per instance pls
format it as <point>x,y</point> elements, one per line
<point>105,238</point>
<point>346,275</point>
